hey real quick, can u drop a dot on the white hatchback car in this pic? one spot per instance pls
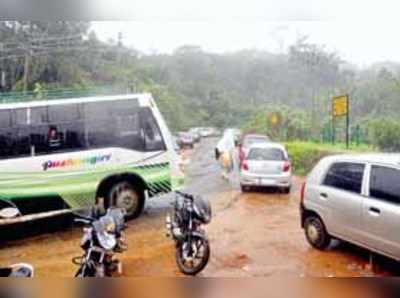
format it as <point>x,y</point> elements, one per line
<point>355,198</point>
<point>268,165</point>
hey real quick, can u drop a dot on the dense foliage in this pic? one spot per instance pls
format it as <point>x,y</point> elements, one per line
<point>195,88</point>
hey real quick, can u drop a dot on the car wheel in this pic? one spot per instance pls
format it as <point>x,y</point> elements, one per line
<point>286,190</point>
<point>124,195</point>
<point>316,233</point>
<point>244,188</point>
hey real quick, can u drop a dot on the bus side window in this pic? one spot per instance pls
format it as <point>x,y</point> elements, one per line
<point>20,117</point>
<point>65,130</point>
<point>6,143</point>
<point>6,135</point>
<point>38,138</point>
<point>5,118</point>
<point>38,128</point>
<point>128,130</point>
<point>152,133</point>
<point>22,144</point>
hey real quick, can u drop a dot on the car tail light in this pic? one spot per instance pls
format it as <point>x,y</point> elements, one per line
<point>245,165</point>
<point>302,192</point>
<point>286,166</point>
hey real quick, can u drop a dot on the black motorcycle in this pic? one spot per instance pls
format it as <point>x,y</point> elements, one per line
<point>8,210</point>
<point>185,227</point>
<point>102,239</point>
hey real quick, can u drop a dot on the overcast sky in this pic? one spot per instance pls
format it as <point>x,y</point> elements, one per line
<point>362,32</point>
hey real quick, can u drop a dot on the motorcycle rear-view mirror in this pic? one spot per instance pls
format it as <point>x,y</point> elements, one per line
<point>7,213</point>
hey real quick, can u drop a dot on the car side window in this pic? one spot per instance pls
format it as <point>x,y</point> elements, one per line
<point>345,176</point>
<point>385,184</point>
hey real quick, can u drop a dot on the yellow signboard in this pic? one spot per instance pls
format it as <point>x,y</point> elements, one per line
<point>340,106</point>
<point>275,119</point>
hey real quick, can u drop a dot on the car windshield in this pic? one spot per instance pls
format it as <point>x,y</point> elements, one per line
<point>266,154</point>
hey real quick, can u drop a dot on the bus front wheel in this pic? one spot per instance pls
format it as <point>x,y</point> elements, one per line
<point>125,195</point>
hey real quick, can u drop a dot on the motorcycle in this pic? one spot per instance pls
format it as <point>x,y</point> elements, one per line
<point>10,210</point>
<point>184,226</point>
<point>102,238</point>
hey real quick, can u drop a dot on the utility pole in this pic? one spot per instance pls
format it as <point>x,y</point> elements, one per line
<point>119,54</point>
<point>26,69</point>
<point>120,39</point>
<point>3,73</point>
<point>3,78</point>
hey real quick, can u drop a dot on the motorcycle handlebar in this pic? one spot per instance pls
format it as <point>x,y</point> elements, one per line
<point>82,220</point>
<point>185,195</point>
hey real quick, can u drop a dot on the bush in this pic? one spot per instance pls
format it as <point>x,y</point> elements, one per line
<point>385,134</point>
<point>305,155</point>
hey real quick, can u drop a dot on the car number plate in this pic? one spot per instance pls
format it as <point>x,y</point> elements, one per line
<point>267,181</point>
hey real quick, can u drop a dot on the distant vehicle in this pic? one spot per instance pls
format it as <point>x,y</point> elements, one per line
<point>247,141</point>
<point>355,198</point>
<point>207,132</point>
<point>195,132</point>
<point>186,140</point>
<point>176,145</point>
<point>268,165</point>
<point>60,155</point>
<point>217,132</point>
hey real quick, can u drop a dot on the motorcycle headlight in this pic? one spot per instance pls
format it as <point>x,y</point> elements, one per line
<point>107,241</point>
<point>107,224</point>
<point>110,227</point>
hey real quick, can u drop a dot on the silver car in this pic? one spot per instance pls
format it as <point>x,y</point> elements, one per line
<point>355,198</point>
<point>266,164</point>
<point>247,141</point>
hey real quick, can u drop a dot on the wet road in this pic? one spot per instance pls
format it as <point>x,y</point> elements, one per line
<point>252,234</point>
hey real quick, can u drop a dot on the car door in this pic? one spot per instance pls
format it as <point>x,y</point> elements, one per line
<point>341,193</point>
<point>381,210</point>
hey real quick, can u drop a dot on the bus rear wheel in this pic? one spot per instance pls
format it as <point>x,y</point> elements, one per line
<point>124,195</point>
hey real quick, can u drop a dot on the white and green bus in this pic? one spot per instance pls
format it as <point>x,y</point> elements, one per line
<point>67,154</point>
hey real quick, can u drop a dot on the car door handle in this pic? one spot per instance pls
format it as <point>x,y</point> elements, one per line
<point>324,195</point>
<point>374,211</point>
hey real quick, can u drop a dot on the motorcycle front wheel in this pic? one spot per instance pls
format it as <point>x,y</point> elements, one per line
<point>193,257</point>
<point>88,271</point>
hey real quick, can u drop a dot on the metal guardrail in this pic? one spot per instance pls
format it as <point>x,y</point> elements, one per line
<point>13,97</point>
<point>31,217</point>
